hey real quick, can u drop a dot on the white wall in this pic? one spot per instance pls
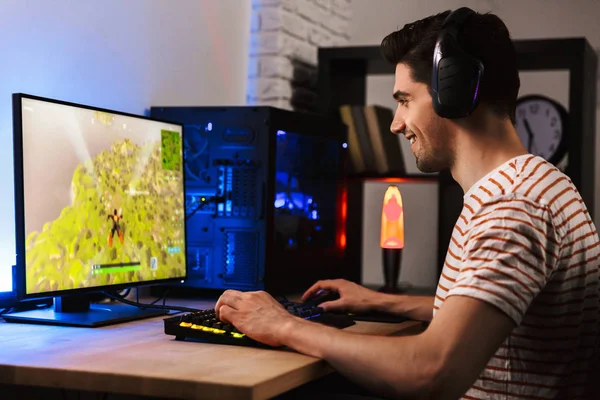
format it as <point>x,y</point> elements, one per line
<point>122,55</point>
<point>526,19</point>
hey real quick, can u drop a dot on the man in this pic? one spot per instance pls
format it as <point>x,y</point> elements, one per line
<point>516,310</point>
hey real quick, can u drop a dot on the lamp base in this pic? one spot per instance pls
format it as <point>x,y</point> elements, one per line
<point>391,270</point>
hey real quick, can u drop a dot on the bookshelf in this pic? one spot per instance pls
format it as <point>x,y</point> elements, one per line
<point>392,178</point>
<point>342,73</point>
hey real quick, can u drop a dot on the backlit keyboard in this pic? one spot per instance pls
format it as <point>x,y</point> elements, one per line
<point>205,327</point>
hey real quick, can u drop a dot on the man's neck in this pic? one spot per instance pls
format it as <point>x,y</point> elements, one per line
<point>480,151</point>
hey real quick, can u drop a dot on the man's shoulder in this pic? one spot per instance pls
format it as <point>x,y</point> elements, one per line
<point>538,184</point>
<point>525,177</point>
<point>543,195</point>
<point>548,187</point>
<point>542,182</point>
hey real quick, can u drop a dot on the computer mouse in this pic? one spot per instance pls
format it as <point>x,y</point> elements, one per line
<point>322,296</point>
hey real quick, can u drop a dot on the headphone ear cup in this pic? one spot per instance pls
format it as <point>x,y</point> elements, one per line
<point>457,87</point>
<point>456,75</point>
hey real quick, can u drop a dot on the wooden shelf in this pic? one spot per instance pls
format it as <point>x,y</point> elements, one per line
<point>395,177</point>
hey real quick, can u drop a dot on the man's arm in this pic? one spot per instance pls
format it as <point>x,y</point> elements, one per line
<point>358,299</point>
<point>419,308</point>
<point>442,362</point>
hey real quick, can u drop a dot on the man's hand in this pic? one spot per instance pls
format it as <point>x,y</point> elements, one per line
<point>256,314</point>
<point>353,298</point>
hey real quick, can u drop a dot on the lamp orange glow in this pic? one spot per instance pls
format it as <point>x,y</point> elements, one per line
<point>392,220</point>
<point>392,238</point>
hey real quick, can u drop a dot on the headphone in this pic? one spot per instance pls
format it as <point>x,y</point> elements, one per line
<point>456,74</point>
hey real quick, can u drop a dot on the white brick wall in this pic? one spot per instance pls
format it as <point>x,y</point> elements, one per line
<point>286,31</point>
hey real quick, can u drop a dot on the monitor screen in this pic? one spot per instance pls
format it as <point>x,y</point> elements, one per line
<point>100,198</point>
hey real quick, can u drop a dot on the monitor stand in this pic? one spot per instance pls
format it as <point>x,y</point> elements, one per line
<point>78,311</point>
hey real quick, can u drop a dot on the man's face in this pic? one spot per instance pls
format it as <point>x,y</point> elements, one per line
<point>432,142</point>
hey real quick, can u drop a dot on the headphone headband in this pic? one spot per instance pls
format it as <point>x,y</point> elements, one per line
<point>458,17</point>
<point>456,75</point>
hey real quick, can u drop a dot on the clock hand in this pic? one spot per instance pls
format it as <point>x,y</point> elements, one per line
<point>530,134</point>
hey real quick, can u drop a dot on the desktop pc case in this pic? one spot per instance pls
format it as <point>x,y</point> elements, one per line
<point>265,197</point>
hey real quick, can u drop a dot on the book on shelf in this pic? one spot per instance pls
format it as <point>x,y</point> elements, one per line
<point>372,147</point>
<point>379,119</point>
<point>364,140</point>
<point>357,164</point>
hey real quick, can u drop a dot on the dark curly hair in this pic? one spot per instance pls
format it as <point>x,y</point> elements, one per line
<point>484,36</point>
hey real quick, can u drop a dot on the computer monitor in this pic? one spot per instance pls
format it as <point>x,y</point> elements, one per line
<point>99,204</point>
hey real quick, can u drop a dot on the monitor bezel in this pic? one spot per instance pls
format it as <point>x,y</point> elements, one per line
<point>19,187</point>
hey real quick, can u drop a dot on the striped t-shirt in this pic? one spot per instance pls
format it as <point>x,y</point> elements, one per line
<point>525,243</point>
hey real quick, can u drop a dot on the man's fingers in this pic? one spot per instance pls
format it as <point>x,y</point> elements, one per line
<point>309,292</point>
<point>228,314</point>
<point>320,285</point>
<point>231,298</point>
<point>332,305</point>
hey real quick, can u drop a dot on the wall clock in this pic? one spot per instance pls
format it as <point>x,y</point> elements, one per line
<point>541,124</point>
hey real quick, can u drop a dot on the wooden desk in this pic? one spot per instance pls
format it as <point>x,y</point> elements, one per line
<point>137,358</point>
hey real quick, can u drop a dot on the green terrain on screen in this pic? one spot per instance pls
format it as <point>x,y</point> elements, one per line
<point>128,178</point>
<point>171,155</point>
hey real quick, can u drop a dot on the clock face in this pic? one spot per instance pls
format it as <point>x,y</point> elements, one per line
<point>541,123</point>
